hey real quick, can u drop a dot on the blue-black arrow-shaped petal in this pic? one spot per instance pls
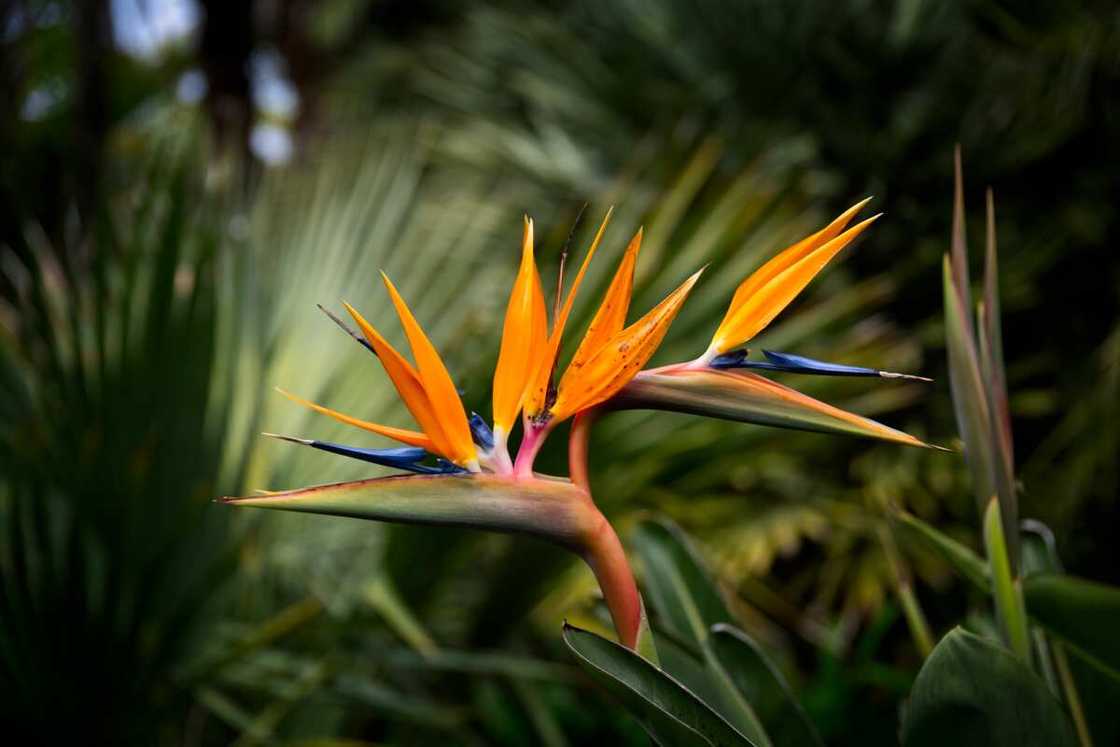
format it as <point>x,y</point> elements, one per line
<point>406,457</point>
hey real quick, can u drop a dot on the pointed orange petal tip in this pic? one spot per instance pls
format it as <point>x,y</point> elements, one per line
<point>412,438</point>
<point>524,333</point>
<point>788,256</point>
<point>621,358</point>
<point>407,382</point>
<point>782,261</point>
<point>610,317</point>
<point>437,383</point>
<point>536,394</point>
<point>767,301</point>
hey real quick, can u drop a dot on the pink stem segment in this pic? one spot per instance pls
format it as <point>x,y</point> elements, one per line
<point>531,443</point>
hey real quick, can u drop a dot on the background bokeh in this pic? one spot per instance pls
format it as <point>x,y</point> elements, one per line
<point>181,182</point>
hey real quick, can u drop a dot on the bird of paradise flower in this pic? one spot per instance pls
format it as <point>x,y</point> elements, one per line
<point>463,470</point>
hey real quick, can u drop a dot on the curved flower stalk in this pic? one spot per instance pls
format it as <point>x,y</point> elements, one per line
<point>464,473</point>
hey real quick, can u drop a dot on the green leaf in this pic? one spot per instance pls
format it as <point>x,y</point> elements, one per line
<point>671,714</point>
<point>1039,549</point>
<point>678,585</point>
<point>972,692</point>
<point>970,402</point>
<point>763,686</point>
<point>991,360</point>
<point>551,509</point>
<point>689,603</point>
<point>966,562</point>
<point>1082,613</point>
<point>748,398</point>
<point>1005,591</point>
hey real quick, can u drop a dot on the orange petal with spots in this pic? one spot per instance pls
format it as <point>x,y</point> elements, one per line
<point>610,317</point>
<point>621,358</point>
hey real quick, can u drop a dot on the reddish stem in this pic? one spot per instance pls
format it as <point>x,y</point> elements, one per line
<point>578,441</point>
<point>604,554</point>
<point>603,550</point>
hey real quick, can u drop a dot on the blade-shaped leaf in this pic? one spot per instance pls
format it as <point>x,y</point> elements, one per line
<point>679,587</point>
<point>763,686</point>
<point>961,558</point>
<point>1006,593</point>
<point>552,509</point>
<point>688,602</point>
<point>671,714</point>
<point>748,398</point>
<point>973,414</point>
<point>1082,613</point>
<point>1040,555</point>
<point>991,344</point>
<point>972,692</point>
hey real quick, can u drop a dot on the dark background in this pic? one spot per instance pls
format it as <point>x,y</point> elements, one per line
<point>182,181</point>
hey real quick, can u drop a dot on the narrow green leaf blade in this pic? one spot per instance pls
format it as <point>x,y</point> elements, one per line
<point>1082,613</point>
<point>748,398</point>
<point>966,562</point>
<point>671,714</point>
<point>1005,590</point>
<point>679,586</point>
<point>992,344</point>
<point>974,693</point>
<point>969,402</point>
<point>763,686</point>
<point>689,603</point>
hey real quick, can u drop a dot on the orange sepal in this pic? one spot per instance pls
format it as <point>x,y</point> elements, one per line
<point>610,317</point>
<point>536,394</point>
<point>524,337</point>
<point>621,358</point>
<point>412,438</point>
<point>764,303</point>
<point>407,383</point>
<point>439,387</point>
<point>787,257</point>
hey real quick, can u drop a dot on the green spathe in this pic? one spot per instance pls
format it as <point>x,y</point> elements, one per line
<point>549,508</point>
<point>671,714</point>
<point>748,398</point>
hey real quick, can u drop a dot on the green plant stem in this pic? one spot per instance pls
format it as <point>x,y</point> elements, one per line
<point>1007,590</point>
<point>1072,698</point>
<point>383,597</point>
<point>911,609</point>
<point>1044,657</point>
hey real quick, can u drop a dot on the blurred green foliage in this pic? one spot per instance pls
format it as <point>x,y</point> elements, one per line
<point>156,283</point>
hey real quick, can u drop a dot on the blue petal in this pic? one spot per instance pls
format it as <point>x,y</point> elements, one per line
<point>481,432</point>
<point>790,363</point>
<point>406,457</point>
<point>801,364</point>
<point>732,359</point>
